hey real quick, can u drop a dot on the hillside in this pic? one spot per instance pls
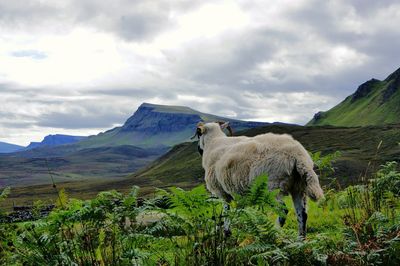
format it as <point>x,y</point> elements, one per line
<point>8,147</point>
<point>375,102</point>
<point>182,165</point>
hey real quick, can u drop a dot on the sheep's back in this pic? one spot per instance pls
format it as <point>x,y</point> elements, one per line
<point>272,154</point>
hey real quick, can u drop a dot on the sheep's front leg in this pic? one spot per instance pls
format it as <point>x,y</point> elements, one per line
<point>300,204</point>
<point>227,222</point>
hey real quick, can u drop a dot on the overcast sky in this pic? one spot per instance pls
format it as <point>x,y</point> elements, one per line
<point>83,66</point>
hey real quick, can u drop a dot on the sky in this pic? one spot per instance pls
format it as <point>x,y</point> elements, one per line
<point>83,66</point>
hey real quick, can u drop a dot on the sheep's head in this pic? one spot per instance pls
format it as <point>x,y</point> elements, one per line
<point>203,128</point>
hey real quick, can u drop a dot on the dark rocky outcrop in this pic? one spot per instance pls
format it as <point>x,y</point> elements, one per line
<point>391,89</point>
<point>394,75</point>
<point>154,119</point>
<point>364,89</point>
<point>318,116</point>
<point>148,120</point>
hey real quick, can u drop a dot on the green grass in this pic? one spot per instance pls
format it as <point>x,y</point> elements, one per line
<point>368,110</point>
<point>356,226</point>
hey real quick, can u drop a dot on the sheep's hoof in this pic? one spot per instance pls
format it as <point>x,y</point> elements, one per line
<point>227,233</point>
<point>301,237</point>
<point>281,221</point>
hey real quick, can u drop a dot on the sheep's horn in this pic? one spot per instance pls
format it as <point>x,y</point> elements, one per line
<point>230,130</point>
<point>195,135</point>
<point>228,127</point>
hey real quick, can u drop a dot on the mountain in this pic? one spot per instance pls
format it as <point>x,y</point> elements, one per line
<point>151,126</point>
<point>375,102</point>
<point>7,147</point>
<point>54,140</point>
<point>149,133</point>
<point>159,126</point>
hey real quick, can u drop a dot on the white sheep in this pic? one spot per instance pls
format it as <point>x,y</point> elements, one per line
<point>231,164</point>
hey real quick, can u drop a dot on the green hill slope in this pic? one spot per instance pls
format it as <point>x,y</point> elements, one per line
<point>374,103</point>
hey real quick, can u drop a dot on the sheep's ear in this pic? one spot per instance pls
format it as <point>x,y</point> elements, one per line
<point>224,125</point>
<point>201,128</point>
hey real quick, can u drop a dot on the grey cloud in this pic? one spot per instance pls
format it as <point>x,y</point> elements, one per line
<point>63,109</point>
<point>228,60</point>
<point>78,120</point>
<point>34,15</point>
<point>369,7</point>
<point>136,93</point>
<point>221,68</point>
<point>129,20</point>
<point>223,64</point>
<point>16,125</point>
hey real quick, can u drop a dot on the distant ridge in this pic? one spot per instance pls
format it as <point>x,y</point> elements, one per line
<point>8,147</point>
<point>375,102</point>
<point>54,140</point>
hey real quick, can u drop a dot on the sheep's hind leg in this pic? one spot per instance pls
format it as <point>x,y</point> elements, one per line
<point>283,212</point>
<point>227,221</point>
<point>300,204</point>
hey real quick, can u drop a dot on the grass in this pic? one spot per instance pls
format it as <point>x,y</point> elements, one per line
<point>356,226</point>
<point>368,110</point>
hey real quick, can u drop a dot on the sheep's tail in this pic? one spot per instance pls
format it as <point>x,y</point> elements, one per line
<point>312,188</point>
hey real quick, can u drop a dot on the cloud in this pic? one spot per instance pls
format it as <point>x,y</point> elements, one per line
<point>129,20</point>
<point>73,119</point>
<point>87,65</point>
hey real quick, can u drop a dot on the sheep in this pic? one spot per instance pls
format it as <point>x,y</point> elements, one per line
<point>231,164</point>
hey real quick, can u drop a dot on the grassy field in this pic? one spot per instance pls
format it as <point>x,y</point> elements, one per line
<point>356,226</point>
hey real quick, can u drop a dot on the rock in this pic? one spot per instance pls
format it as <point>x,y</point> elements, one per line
<point>318,116</point>
<point>391,89</point>
<point>364,89</point>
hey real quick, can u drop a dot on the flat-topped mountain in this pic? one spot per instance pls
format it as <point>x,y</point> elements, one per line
<point>155,125</point>
<point>375,102</point>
